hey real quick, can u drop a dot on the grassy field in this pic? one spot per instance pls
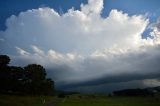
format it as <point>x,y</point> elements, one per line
<point>110,101</point>
<point>10,100</point>
<point>78,100</point>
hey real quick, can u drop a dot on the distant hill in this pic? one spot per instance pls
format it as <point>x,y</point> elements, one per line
<point>157,89</point>
<point>138,92</point>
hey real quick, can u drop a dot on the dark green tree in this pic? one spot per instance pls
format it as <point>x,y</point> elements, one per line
<point>4,73</point>
<point>37,82</point>
<point>4,60</point>
<point>28,80</point>
<point>48,86</point>
<point>16,79</point>
<point>35,72</point>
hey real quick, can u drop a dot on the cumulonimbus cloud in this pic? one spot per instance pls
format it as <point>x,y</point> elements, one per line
<point>81,46</point>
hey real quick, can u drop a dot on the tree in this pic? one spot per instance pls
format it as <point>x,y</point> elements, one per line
<point>16,76</point>
<point>4,60</point>
<point>28,80</point>
<point>37,82</point>
<point>48,86</point>
<point>35,72</point>
<point>4,73</point>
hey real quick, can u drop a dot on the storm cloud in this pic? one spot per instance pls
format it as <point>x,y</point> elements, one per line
<point>81,48</point>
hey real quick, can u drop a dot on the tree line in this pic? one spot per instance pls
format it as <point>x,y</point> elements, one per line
<point>138,92</point>
<point>28,80</point>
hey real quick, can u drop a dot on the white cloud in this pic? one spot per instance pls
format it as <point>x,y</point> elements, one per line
<point>81,43</point>
<point>151,82</point>
<point>74,68</point>
<point>22,52</point>
<point>93,7</point>
<point>82,31</point>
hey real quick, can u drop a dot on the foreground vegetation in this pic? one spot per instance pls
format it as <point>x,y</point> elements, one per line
<point>12,100</point>
<point>111,101</point>
<point>78,100</point>
<point>28,80</point>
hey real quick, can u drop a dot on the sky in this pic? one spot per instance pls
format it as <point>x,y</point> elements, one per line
<point>85,45</point>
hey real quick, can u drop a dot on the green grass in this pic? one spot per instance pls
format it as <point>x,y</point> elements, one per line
<point>10,100</point>
<point>111,101</point>
<point>78,100</point>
